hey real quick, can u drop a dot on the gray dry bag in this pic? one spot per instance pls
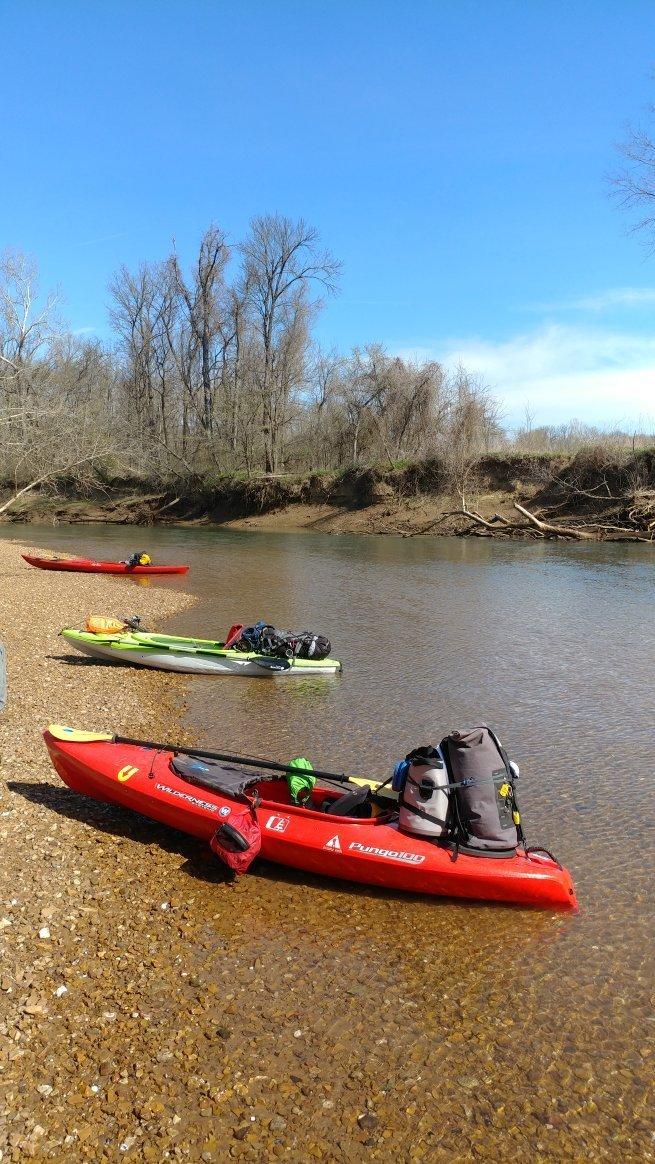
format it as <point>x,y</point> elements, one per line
<point>484,802</point>
<point>424,807</point>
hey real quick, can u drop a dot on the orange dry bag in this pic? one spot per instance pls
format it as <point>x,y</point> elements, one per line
<point>104,626</point>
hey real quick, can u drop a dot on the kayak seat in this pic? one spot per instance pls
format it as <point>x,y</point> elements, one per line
<point>355,802</point>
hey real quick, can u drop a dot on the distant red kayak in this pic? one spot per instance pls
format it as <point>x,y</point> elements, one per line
<point>88,566</point>
<point>192,797</point>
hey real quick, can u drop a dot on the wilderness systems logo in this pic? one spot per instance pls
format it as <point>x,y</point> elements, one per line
<point>390,854</point>
<point>185,796</point>
<point>126,773</point>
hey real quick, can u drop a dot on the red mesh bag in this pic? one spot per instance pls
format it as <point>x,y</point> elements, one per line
<point>238,841</point>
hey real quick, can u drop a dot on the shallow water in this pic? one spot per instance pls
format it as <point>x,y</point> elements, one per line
<point>547,1020</point>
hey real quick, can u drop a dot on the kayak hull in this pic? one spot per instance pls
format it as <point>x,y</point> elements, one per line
<point>135,650</point>
<point>89,566</point>
<point>369,852</point>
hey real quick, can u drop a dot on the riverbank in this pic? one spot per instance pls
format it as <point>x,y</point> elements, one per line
<point>599,493</point>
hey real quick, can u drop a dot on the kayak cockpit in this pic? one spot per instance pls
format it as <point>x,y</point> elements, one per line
<point>355,803</point>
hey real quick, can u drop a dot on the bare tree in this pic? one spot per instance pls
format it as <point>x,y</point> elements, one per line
<point>282,266</point>
<point>203,301</point>
<point>473,427</point>
<point>215,369</point>
<point>634,185</point>
<point>391,407</point>
<point>28,328</point>
<point>319,419</point>
<point>142,313</point>
<point>414,407</point>
<point>235,332</point>
<point>360,391</point>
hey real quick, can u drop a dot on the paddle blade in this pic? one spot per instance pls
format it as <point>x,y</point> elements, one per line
<point>75,736</point>
<point>270,664</point>
<point>364,782</point>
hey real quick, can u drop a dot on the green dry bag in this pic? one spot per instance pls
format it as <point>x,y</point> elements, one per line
<point>300,782</point>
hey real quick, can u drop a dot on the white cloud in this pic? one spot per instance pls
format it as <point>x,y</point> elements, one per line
<point>613,297</point>
<point>90,242</point>
<point>562,372</point>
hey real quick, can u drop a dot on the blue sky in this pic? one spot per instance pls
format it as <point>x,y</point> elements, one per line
<point>453,154</point>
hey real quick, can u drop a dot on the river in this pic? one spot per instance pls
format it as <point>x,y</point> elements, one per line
<point>539,1026</point>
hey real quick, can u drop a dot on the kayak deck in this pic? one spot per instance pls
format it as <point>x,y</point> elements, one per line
<point>211,647</point>
<point>367,851</point>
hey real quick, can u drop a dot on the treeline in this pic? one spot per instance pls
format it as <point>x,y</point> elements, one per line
<point>214,370</point>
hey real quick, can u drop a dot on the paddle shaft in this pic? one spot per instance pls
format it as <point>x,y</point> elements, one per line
<point>340,777</point>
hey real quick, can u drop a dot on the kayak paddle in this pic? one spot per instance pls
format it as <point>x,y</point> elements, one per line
<point>268,663</point>
<point>81,737</point>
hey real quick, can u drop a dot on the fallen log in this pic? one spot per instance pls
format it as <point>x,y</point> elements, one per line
<point>506,527</point>
<point>169,504</point>
<point>620,533</point>
<point>476,517</point>
<point>560,531</point>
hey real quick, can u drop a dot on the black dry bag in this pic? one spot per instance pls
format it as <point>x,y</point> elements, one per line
<point>484,796</point>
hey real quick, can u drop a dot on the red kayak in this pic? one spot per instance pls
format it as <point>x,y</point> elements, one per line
<point>88,566</point>
<point>186,794</point>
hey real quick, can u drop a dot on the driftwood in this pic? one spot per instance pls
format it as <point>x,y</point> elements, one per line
<point>476,517</point>
<point>170,504</point>
<point>491,526</point>
<point>623,535</point>
<point>499,526</point>
<point>561,531</point>
<point>58,471</point>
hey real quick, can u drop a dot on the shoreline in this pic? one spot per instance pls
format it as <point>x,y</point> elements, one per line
<point>52,842</point>
<point>422,515</point>
<point>493,517</point>
<point>598,494</point>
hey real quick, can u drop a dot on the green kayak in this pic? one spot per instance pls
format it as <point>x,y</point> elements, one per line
<point>193,656</point>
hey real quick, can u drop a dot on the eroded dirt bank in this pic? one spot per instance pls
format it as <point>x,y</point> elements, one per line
<point>596,494</point>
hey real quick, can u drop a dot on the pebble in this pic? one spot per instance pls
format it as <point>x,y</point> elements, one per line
<point>367,1120</point>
